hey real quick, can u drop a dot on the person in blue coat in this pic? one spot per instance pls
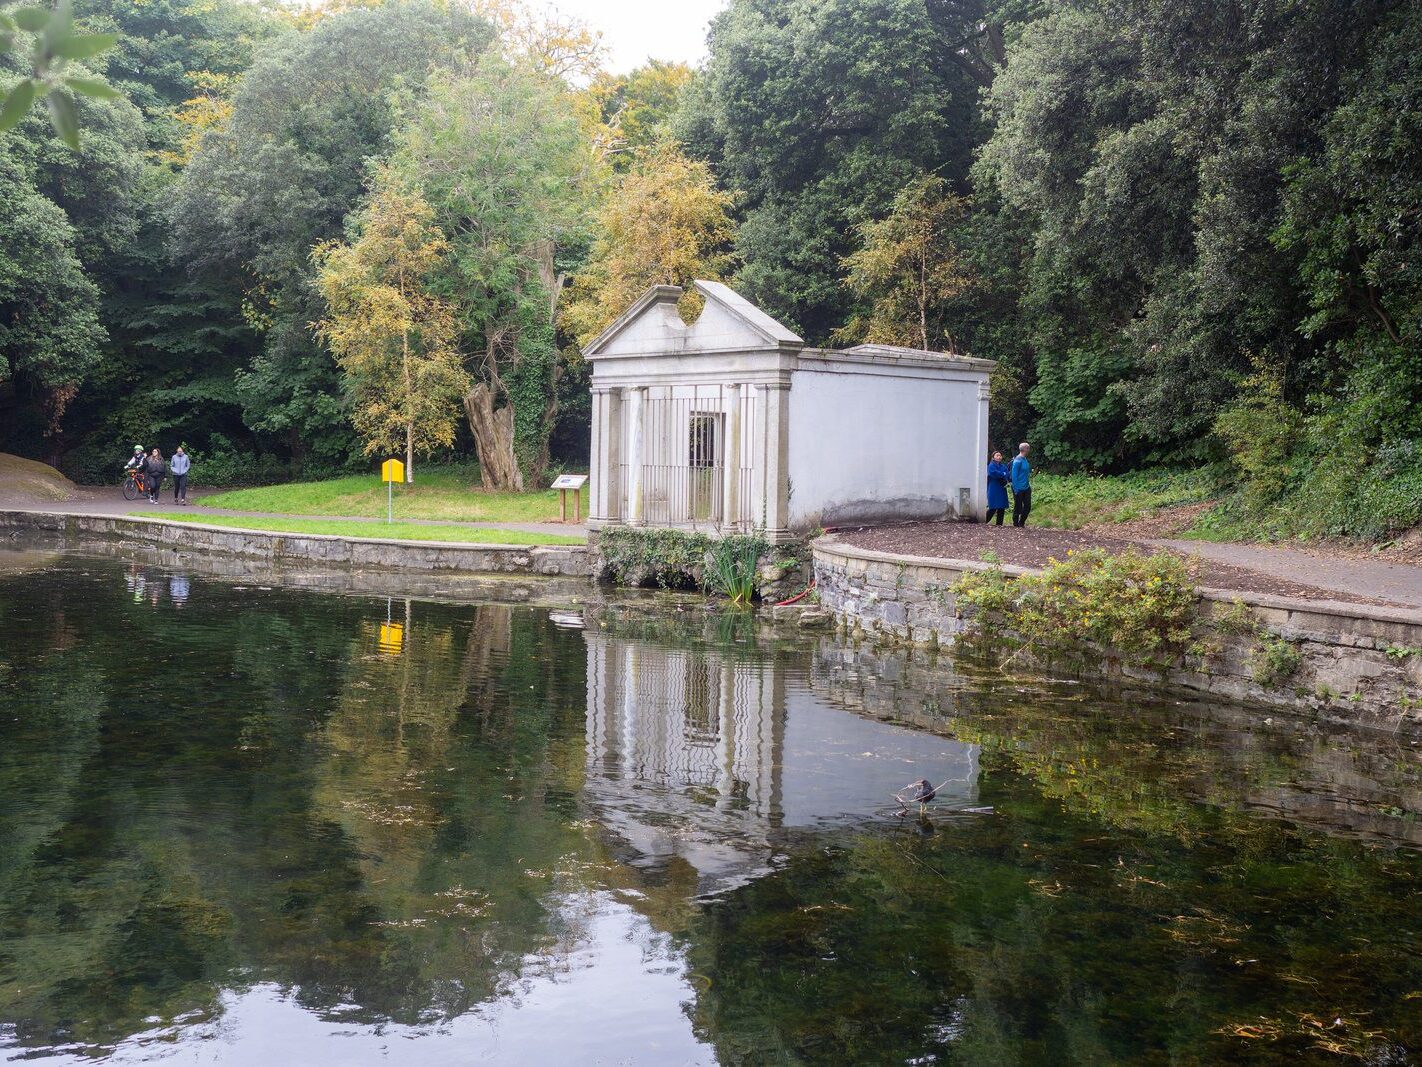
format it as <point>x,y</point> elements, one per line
<point>997,476</point>
<point>1021,485</point>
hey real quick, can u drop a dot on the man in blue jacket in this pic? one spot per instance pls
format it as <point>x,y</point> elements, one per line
<point>1021,485</point>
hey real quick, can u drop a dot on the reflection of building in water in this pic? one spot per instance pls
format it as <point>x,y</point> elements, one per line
<point>711,757</point>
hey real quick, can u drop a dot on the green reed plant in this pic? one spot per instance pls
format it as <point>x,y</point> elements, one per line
<point>731,567</point>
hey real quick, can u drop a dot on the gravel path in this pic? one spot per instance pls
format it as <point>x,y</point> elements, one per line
<point>1245,568</point>
<point>1399,583</point>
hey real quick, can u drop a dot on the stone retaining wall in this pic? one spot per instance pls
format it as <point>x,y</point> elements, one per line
<point>1358,664</point>
<point>311,549</point>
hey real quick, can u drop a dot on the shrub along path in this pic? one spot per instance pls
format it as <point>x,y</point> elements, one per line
<point>1239,567</point>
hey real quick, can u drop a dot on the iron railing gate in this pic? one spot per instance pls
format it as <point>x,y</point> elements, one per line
<point>687,456</point>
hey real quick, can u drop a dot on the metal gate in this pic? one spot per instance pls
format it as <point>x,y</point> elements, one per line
<point>693,440</point>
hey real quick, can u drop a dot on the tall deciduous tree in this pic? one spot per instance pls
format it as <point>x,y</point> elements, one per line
<point>665,223</point>
<point>280,177</point>
<point>817,112</point>
<point>392,337</point>
<point>909,268</point>
<point>635,112</point>
<point>1145,147</point>
<point>50,330</point>
<point>501,158</point>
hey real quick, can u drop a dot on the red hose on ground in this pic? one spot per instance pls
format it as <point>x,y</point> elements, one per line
<point>797,596</point>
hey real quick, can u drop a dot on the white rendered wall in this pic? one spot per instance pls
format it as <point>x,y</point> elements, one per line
<point>878,446</point>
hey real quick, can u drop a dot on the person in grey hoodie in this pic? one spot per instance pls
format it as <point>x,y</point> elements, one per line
<point>179,466</point>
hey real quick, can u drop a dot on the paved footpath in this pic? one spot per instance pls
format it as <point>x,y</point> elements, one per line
<point>1398,582</point>
<point>111,502</point>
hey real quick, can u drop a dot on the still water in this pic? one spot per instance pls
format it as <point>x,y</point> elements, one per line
<point>243,824</point>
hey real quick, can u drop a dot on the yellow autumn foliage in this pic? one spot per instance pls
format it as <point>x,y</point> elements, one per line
<point>665,223</point>
<point>907,268</point>
<point>393,338</point>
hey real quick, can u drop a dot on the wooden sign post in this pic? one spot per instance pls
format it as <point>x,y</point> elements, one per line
<point>563,483</point>
<point>391,471</point>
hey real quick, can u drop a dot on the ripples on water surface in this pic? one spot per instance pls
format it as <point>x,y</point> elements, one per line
<point>246,825</point>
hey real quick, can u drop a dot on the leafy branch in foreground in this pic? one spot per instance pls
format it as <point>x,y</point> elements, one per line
<point>56,44</point>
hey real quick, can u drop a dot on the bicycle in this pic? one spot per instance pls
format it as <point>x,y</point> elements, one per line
<point>135,485</point>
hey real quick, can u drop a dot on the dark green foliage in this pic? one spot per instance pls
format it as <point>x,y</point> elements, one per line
<point>818,113</point>
<point>670,559</point>
<point>282,176</point>
<point>68,215</point>
<point>673,559</point>
<point>1173,202</point>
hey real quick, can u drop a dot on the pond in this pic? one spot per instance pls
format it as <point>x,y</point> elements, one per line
<point>245,823</point>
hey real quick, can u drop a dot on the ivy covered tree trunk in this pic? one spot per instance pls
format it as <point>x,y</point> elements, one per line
<point>493,430</point>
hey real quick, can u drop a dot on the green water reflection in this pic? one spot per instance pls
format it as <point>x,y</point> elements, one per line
<point>244,824</point>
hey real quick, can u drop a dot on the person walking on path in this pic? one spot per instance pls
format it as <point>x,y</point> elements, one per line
<point>1021,485</point>
<point>180,465</point>
<point>153,470</point>
<point>997,476</point>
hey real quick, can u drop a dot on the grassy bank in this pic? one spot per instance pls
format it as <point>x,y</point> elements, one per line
<point>436,495</point>
<point>1071,501</point>
<point>400,531</point>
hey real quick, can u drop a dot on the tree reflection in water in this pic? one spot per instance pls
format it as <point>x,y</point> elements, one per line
<point>263,818</point>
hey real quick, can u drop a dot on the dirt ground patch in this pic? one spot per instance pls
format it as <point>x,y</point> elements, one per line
<point>1035,546</point>
<point>1165,522</point>
<point>24,481</point>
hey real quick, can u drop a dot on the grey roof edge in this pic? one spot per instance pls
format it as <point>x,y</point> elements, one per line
<point>871,354</point>
<point>656,294</point>
<point>742,308</point>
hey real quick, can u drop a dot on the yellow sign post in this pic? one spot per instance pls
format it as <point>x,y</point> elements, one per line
<point>391,471</point>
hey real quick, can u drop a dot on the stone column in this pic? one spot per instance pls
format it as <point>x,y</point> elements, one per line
<point>984,450</point>
<point>775,515</point>
<point>605,493</point>
<point>731,461</point>
<point>636,452</point>
<point>726,739</point>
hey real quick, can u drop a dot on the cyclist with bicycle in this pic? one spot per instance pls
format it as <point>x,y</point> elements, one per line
<point>136,481</point>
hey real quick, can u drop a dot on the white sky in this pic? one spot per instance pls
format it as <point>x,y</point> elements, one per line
<point>637,30</point>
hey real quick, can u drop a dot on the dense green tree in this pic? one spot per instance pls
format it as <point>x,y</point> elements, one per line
<point>50,331</point>
<point>69,213</point>
<point>1352,433</point>
<point>817,114</point>
<point>500,156</point>
<point>165,47</point>
<point>280,177</point>
<point>1145,143</point>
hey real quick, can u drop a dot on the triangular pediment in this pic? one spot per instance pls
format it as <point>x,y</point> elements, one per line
<point>654,326</point>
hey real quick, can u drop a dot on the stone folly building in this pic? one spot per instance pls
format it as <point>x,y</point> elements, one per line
<point>731,424</point>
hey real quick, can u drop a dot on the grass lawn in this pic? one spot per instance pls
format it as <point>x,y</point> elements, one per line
<point>1071,501</point>
<point>400,531</point>
<point>436,494</point>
